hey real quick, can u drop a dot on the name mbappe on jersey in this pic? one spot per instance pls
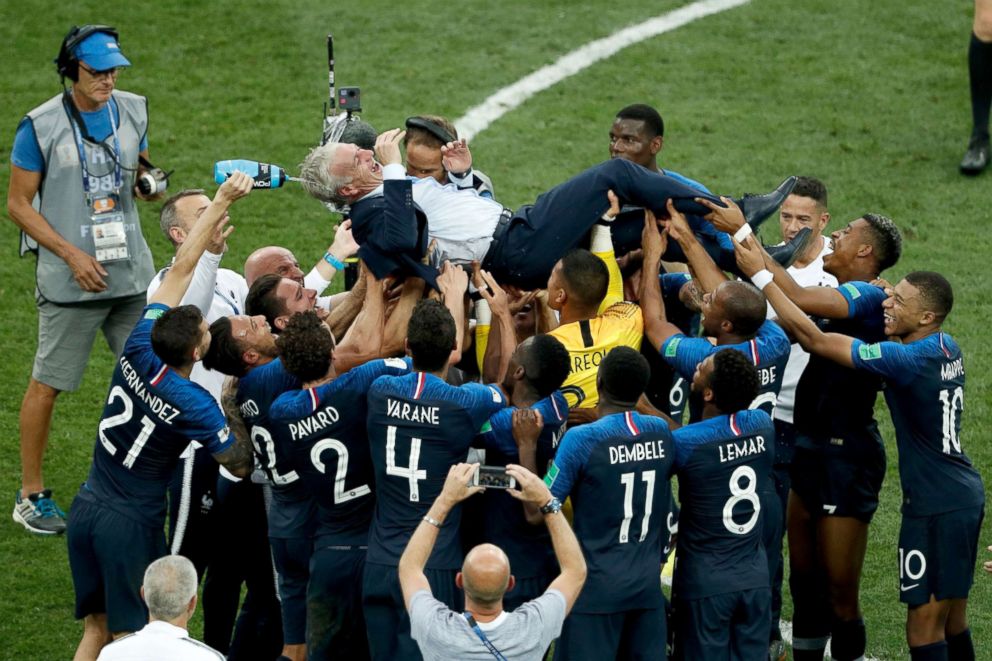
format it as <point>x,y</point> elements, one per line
<point>925,394</point>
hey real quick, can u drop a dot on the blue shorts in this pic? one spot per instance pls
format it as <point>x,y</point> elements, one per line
<point>634,634</point>
<point>386,619</point>
<point>729,626</point>
<point>335,624</point>
<point>842,476</point>
<point>292,560</point>
<point>108,555</point>
<point>937,555</point>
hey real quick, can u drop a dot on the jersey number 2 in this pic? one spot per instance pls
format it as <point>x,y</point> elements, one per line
<point>342,472</point>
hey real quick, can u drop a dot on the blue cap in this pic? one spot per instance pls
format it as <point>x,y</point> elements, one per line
<point>100,52</point>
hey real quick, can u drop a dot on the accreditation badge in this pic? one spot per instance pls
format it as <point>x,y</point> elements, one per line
<point>108,229</point>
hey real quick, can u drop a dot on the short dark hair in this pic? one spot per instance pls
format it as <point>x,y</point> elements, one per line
<point>176,334</point>
<point>586,276</point>
<point>734,381</point>
<point>546,363</point>
<point>623,375</point>
<point>746,308</point>
<point>262,299</point>
<point>169,217</point>
<point>653,122</point>
<point>886,241</point>
<point>225,354</point>
<point>812,188</point>
<point>935,291</point>
<point>306,346</point>
<point>431,335</point>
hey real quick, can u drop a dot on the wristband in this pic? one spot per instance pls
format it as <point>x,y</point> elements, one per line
<point>434,522</point>
<point>762,278</point>
<point>333,261</point>
<point>744,232</point>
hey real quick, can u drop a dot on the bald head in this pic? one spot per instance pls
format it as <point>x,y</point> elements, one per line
<point>486,574</point>
<point>272,259</point>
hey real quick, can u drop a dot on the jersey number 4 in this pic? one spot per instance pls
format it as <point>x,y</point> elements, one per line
<point>147,427</point>
<point>411,472</point>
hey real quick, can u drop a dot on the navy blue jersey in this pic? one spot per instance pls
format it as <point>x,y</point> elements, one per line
<point>419,426</point>
<point>151,415</point>
<point>768,351</point>
<point>925,393</point>
<point>724,465</point>
<point>324,430</point>
<point>528,547</point>
<point>833,400</point>
<point>617,471</point>
<point>292,512</point>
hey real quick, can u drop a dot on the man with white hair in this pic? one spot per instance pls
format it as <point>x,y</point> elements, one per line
<point>169,590</point>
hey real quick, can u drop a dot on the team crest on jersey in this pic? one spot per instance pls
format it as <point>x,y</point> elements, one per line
<point>223,434</point>
<point>870,351</point>
<point>486,428</point>
<point>549,477</point>
<point>154,313</point>
<point>851,289</point>
<point>672,348</point>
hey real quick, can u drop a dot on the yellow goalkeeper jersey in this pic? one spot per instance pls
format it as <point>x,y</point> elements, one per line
<point>588,341</point>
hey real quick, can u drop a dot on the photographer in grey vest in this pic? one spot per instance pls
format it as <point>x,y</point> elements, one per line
<point>75,163</point>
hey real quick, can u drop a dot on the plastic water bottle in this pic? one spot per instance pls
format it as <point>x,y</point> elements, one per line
<point>265,175</point>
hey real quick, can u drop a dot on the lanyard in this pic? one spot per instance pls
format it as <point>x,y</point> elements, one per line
<point>482,636</point>
<point>81,148</point>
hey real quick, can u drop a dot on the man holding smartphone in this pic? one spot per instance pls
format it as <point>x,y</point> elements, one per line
<point>485,630</point>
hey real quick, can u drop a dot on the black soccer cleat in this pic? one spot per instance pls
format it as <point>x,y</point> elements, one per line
<point>976,158</point>
<point>758,208</point>
<point>786,255</point>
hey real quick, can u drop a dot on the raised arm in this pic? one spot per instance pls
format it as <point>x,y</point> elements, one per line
<point>573,566</point>
<point>363,342</point>
<point>399,318</point>
<point>498,352</point>
<point>704,269</point>
<point>656,327</point>
<point>453,283</point>
<point>834,346</point>
<point>418,549</point>
<point>213,219</point>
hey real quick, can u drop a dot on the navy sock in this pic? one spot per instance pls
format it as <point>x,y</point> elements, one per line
<point>848,640</point>
<point>931,652</point>
<point>960,647</point>
<point>980,76</point>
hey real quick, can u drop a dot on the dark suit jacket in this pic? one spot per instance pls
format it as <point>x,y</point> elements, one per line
<point>392,232</point>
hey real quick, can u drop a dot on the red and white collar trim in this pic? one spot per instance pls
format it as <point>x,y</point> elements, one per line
<point>628,418</point>
<point>157,379</point>
<point>734,427</point>
<point>421,382</point>
<point>314,400</point>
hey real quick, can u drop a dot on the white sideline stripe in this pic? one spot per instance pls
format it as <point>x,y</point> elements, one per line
<point>786,628</point>
<point>477,119</point>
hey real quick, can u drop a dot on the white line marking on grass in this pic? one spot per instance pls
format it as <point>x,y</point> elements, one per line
<point>478,119</point>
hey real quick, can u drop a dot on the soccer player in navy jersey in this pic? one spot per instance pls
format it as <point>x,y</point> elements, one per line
<point>537,369</point>
<point>839,459</point>
<point>418,427</point>
<point>616,471</point>
<point>153,412</point>
<point>924,375</point>
<point>722,589</point>
<point>322,428</point>
<point>733,314</point>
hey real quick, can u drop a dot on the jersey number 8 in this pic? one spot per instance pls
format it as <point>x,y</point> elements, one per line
<point>739,494</point>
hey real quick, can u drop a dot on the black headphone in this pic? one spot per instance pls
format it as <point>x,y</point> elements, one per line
<point>67,64</point>
<point>433,128</point>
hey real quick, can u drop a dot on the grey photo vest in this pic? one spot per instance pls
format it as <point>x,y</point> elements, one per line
<point>62,201</point>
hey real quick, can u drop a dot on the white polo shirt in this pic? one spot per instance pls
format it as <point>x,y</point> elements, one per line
<point>159,641</point>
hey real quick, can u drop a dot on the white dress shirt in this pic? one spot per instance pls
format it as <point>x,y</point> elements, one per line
<point>159,641</point>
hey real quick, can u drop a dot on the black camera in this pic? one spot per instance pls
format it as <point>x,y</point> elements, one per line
<point>350,99</point>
